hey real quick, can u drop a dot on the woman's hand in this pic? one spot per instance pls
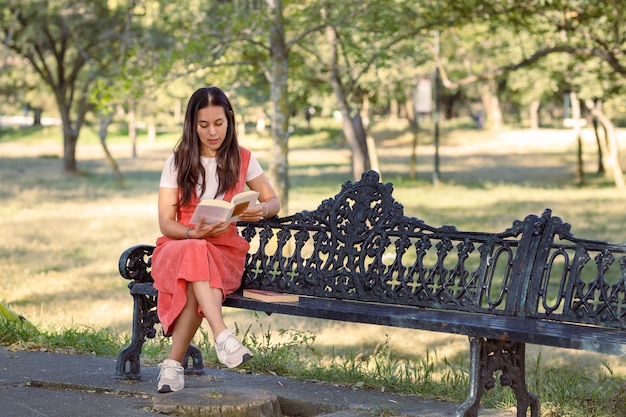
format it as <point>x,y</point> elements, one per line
<point>253,214</point>
<point>204,230</point>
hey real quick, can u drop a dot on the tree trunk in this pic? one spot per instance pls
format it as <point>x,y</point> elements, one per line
<point>394,109</point>
<point>178,111</point>
<point>580,171</point>
<point>354,133</point>
<point>601,138</point>
<point>358,145</point>
<point>71,130</point>
<point>412,116</point>
<point>105,121</point>
<point>152,130</point>
<point>372,150</point>
<point>70,137</point>
<point>37,111</point>
<point>613,146</point>
<point>69,151</point>
<point>278,165</point>
<point>489,96</point>
<point>241,128</point>
<point>132,129</point>
<point>533,113</point>
<point>601,142</point>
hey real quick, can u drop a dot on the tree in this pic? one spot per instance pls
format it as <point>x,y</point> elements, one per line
<point>69,44</point>
<point>351,58</point>
<point>144,61</point>
<point>278,77</point>
<point>104,93</point>
<point>591,33</point>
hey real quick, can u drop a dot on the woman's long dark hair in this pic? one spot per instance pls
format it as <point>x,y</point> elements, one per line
<point>187,150</point>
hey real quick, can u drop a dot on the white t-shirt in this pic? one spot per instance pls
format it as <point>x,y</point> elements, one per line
<point>168,176</point>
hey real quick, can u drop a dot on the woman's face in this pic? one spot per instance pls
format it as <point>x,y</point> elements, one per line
<point>212,127</point>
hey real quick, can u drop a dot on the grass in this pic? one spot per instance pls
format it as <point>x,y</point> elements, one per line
<point>61,236</point>
<point>76,339</point>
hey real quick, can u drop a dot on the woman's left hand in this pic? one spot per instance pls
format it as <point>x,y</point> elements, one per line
<point>253,214</point>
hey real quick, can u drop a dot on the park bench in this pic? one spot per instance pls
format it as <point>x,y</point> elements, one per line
<point>358,258</point>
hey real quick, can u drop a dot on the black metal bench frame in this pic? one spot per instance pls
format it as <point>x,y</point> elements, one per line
<point>358,258</point>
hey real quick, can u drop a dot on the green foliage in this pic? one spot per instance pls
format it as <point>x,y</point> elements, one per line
<point>77,339</point>
<point>573,394</point>
<point>13,332</point>
<point>144,58</point>
<point>284,357</point>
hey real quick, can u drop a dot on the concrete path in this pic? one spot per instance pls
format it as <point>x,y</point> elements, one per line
<point>35,384</point>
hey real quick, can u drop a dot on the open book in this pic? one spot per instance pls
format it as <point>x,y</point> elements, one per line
<point>215,211</point>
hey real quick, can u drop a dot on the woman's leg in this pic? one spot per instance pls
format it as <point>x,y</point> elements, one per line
<point>185,327</point>
<point>229,349</point>
<point>172,376</point>
<point>210,301</point>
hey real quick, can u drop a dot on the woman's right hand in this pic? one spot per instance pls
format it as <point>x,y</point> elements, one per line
<point>204,230</point>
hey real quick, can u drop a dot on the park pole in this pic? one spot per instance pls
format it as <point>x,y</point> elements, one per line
<point>437,113</point>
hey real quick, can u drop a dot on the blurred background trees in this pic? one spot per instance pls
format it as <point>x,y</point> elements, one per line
<point>508,63</point>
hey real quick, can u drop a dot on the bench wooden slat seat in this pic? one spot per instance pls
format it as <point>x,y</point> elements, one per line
<point>358,258</point>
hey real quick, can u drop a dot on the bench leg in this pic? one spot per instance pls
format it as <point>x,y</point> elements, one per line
<point>489,356</point>
<point>197,364</point>
<point>128,365</point>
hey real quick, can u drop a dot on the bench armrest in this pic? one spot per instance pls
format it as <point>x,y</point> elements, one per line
<point>136,263</point>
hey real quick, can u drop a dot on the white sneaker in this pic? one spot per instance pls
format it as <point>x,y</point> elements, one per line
<point>229,349</point>
<point>171,377</point>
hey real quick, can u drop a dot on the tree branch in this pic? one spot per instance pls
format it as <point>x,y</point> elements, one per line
<point>572,50</point>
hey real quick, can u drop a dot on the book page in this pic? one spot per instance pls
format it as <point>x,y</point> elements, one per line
<point>218,210</point>
<point>213,211</point>
<point>242,202</point>
<point>240,208</point>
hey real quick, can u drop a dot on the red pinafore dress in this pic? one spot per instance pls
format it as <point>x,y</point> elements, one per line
<point>219,259</point>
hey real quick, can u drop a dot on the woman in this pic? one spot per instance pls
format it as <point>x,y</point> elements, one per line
<point>194,268</point>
